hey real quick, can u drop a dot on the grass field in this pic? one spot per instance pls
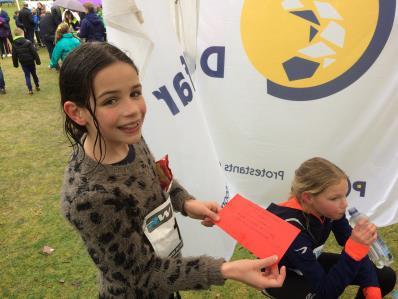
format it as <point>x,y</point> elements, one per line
<point>33,153</point>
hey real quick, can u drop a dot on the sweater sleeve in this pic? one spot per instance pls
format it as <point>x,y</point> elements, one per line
<point>330,284</point>
<point>111,228</point>
<point>178,196</point>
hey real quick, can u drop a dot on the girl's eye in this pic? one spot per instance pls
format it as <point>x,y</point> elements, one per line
<point>335,198</point>
<point>110,101</point>
<point>135,93</point>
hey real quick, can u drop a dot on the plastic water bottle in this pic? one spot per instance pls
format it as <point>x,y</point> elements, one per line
<point>378,252</point>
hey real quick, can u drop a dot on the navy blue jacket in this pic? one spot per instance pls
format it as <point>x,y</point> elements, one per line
<point>24,52</point>
<point>302,258</point>
<point>6,18</point>
<point>92,28</point>
<point>26,18</point>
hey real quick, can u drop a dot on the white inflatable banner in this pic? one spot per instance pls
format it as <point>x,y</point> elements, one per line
<point>276,82</point>
<point>174,123</point>
<point>284,81</point>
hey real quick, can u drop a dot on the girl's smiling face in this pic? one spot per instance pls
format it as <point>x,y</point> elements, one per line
<point>119,108</point>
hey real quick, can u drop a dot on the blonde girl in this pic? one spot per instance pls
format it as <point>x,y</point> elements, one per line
<point>317,207</point>
<point>65,42</point>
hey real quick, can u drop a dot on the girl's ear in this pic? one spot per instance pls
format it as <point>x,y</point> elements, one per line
<point>306,197</point>
<point>76,113</point>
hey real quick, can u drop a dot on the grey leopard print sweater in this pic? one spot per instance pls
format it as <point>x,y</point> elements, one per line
<point>107,205</point>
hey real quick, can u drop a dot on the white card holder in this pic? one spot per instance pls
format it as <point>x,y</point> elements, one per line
<point>161,229</point>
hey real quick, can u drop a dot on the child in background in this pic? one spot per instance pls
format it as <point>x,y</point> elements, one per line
<point>317,207</point>
<point>36,22</point>
<point>24,52</point>
<point>64,43</point>
<point>112,193</point>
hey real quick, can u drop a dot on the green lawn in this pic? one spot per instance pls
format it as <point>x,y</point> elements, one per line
<point>33,153</point>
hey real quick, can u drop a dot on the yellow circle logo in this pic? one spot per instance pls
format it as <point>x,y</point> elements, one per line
<point>310,49</point>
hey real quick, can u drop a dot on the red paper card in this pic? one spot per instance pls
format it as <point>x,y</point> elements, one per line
<point>258,230</point>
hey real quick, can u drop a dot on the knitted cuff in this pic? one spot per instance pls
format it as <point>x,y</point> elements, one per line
<point>214,272</point>
<point>178,195</point>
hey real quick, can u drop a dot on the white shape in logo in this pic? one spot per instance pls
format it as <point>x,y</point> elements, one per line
<point>166,215</point>
<point>328,61</point>
<point>334,33</point>
<point>317,50</point>
<point>292,4</point>
<point>327,11</point>
<point>302,249</point>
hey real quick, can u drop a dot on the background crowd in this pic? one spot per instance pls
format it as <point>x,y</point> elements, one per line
<point>59,30</point>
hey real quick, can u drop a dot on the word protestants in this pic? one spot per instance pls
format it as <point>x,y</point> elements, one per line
<point>247,170</point>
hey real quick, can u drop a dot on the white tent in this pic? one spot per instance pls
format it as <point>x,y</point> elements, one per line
<point>257,87</point>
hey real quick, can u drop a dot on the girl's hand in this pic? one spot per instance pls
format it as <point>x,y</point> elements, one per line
<point>249,272</point>
<point>364,232</point>
<point>204,210</point>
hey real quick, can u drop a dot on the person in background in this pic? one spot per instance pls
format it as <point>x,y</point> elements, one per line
<point>7,32</point>
<point>40,9</point>
<point>18,23</point>
<point>57,14</point>
<point>48,26</point>
<point>317,207</point>
<point>26,18</point>
<point>64,43</point>
<point>4,33</point>
<point>24,52</point>
<point>36,22</point>
<point>71,20</point>
<point>91,27</point>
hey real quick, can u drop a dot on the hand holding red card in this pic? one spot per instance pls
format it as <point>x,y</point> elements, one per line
<point>256,229</point>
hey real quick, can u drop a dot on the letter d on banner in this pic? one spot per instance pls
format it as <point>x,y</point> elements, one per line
<point>219,53</point>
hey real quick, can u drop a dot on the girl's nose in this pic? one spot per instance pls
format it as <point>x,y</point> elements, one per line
<point>130,107</point>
